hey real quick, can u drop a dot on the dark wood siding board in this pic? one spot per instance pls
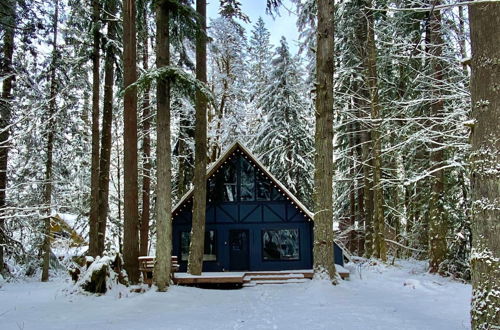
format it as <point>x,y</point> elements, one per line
<point>294,215</point>
<point>275,212</point>
<point>226,213</point>
<point>210,214</point>
<point>250,212</point>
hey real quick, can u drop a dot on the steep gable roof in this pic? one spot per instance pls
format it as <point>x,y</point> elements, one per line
<point>235,148</point>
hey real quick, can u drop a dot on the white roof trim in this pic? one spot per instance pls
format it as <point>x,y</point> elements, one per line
<point>267,172</point>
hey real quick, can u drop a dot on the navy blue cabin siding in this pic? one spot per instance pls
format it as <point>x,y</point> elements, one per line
<point>245,207</point>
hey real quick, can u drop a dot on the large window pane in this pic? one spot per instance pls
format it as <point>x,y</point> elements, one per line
<point>229,174</point>
<point>247,181</point>
<point>281,244</point>
<point>209,253</point>
<point>263,188</point>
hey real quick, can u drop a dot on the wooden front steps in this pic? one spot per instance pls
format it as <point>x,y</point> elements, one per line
<point>251,278</point>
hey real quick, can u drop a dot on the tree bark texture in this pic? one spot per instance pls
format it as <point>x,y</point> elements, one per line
<point>197,245</point>
<point>323,158</point>
<point>437,217</point>
<point>107,121</point>
<point>47,193</point>
<point>379,246</point>
<point>131,214</point>
<point>366,192</point>
<point>163,153</point>
<point>146,146</point>
<point>7,74</point>
<point>485,157</point>
<point>94,165</point>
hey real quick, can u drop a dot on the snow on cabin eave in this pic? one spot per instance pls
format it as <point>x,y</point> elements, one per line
<point>222,159</point>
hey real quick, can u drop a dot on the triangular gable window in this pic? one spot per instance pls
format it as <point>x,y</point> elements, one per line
<point>238,180</point>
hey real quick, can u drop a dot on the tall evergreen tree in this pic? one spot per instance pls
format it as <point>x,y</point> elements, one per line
<point>323,140</point>
<point>283,142</point>
<point>163,150</point>
<point>131,216</point>
<point>485,257</point>
<point>227,57</point>
<point>437,219</point>
<point>379,245</point>
<point>94,165</point>
<point>48,184</point>
<point>8,24</point>
<point>107,117</point>
<point>259,58</point>
<point>146,134</point>
<point>196,249</point>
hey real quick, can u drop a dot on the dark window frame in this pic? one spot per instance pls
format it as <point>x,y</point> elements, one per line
<point>280,260</point>
<point>189,232</point>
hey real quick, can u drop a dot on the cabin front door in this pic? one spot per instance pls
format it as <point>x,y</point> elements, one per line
<point>238,249</point>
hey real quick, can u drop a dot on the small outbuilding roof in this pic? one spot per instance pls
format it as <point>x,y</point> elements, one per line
<point>235,148</point>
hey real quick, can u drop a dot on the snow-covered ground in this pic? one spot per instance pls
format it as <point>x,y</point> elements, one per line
<point>381,297</point>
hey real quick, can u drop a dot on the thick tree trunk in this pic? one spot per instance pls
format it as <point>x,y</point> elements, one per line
<point>7,74</point>
<point>47,194</point>
<point>379,246</point>
<point>131,216</point>
<point>107,121</point>
<point>94,172</point>
<point>437,218</point>
<point>352,192</point>
<point>196,248</point>
<point>366,192</point>
<point>163,153</point>
<point>485,157</point>
<point>119,190</point>
<point>323,158</point>
<point>146,147</point>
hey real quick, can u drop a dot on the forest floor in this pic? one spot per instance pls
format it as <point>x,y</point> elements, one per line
<point>403,296</point>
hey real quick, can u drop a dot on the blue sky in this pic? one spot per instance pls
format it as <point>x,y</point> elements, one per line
<point>283,25</point>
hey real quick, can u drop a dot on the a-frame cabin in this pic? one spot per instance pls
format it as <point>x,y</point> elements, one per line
<point>252,221</point>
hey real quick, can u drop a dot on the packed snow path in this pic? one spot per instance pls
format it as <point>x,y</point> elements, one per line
<point>402,297</point>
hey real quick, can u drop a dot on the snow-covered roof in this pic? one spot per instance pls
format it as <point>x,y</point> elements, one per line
<point>239,147</point>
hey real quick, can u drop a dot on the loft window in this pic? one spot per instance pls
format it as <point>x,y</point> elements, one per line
<point>229,177</point>
<point>247,181</point>
<point>263,188</point>
<point>280,244</point>
<point>209,253</point>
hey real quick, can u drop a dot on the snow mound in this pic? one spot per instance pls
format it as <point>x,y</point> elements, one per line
<point>103,277</point>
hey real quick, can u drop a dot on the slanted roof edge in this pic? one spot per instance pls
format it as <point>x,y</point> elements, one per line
<point>221,161</point>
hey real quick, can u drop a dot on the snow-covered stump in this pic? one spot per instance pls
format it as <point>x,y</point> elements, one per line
<point>102,275</point>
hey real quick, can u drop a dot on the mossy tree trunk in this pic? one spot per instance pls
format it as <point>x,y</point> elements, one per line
<point>163,152</point>
<point>130,207</point>
<point>437,218</point>
<point>107,120</point>
<point>485,92</point>
<point>323,158</point>
<point>378,221</point>
<point>94,165</point>
<point>197,245</point>
<point>146,140</point>
<point>6,72</point>
<point>47,193</point>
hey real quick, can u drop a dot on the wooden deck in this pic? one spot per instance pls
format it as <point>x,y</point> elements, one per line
<point>248,278</point>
